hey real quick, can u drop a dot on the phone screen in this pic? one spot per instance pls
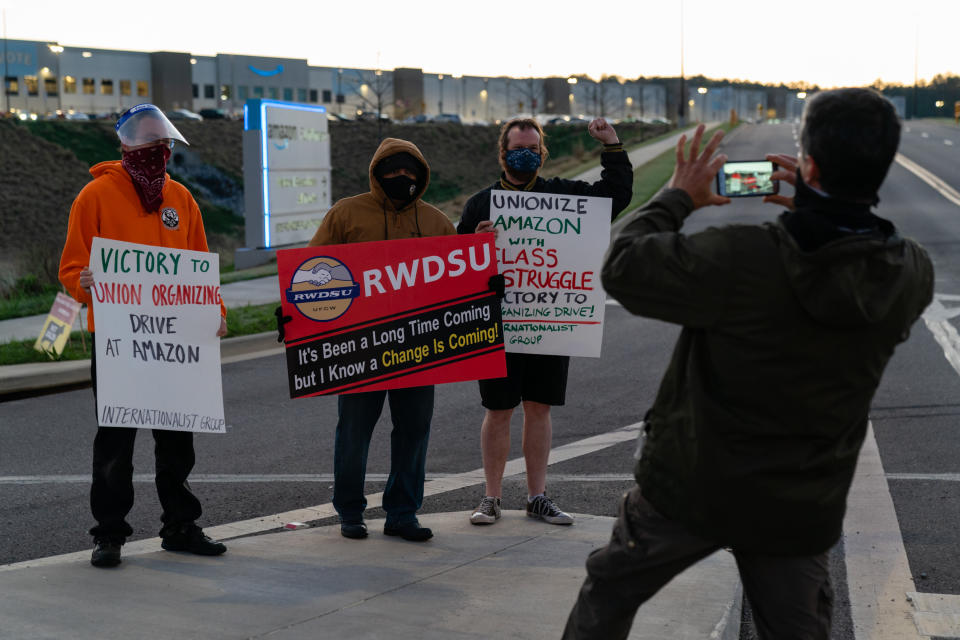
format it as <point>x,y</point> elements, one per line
<point>747,178</point>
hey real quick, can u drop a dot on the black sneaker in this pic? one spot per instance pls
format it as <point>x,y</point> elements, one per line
<point>106,553</point>
<point>542,507</point>
<point>192,540</point>
<point>355,530</point>
<point>411,531</point>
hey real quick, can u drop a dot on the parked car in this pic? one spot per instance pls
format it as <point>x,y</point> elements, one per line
<point>213,114</point>
<point>372,116</point>
<point>417,119</point>
<point>184,114</point>
<point>76,115</point>
<point>447,117</point>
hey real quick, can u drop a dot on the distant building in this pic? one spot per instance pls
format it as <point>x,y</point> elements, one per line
<point>717,103</point>
<point>44,78</point>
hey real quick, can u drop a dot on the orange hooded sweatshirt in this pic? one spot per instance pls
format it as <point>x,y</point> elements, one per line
<point>108,207</point>
<point>373,216</point>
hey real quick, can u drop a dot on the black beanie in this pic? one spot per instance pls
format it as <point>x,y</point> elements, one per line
<point>402,160</point>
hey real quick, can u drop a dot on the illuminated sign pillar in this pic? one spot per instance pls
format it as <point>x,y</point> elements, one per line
<point>286,176</point>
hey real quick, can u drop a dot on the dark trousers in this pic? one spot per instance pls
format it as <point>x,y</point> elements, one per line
<point>410,411</point>
<point>111,495</point>
<point>790,596</point>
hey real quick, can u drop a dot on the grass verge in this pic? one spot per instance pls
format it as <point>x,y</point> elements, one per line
<point>241,321</point>
<point>19,306</point>
<point>22,351</point>
<point>628,146</point>
<point>27,296</point>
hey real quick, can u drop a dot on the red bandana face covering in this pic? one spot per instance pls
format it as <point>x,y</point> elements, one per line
<point>148,167</point>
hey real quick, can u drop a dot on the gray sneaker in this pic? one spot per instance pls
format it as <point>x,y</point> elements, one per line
<point>488,512</point>
<point>542,507</point>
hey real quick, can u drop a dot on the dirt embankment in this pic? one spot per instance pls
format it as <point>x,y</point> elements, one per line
<point>44,166</point>
<point>38,182</point>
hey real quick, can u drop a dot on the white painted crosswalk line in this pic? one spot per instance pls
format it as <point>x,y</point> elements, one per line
<point>878,574</point>
<point>937,614</point>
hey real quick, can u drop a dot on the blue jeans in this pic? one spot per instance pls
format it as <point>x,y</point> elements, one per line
<point>410,411</point>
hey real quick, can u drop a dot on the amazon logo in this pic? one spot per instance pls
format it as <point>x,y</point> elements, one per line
<point>266,73</point>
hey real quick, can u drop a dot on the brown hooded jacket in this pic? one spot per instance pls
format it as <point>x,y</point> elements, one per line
<point>373,216</point>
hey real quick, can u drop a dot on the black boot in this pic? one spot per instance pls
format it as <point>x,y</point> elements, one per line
<point>190,538</point>
<point>106,553</point>
<point>355,530</point>
<point>411,531</point>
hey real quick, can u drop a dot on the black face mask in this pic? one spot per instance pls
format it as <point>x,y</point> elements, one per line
<point>400,188</point>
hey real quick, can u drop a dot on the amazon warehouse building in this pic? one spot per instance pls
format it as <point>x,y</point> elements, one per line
<point>42,79</point>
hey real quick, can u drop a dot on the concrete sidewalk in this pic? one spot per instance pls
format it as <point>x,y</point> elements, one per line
<point>516,579</point>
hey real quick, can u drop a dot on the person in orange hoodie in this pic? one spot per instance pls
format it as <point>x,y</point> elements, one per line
<point>391,210</point>
<point>134,200</point>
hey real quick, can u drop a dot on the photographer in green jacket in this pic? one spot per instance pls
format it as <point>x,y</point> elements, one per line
<point>753,438</point>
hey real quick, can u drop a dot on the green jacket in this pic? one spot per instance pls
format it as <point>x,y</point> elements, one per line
<point>754,434</point>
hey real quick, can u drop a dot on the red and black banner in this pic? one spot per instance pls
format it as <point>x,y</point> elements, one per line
<point>390,314</point>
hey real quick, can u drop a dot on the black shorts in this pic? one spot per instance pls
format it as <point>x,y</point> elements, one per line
<point>530,376</point>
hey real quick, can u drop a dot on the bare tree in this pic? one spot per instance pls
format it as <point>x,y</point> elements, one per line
<point>373,92</point>
<point>605,96</point>
<point>531,94</point>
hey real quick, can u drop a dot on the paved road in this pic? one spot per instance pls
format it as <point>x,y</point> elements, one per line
<point>914,416</point>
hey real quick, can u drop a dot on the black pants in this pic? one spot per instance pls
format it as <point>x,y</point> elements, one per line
<point>410,411</point>
<point>111,495</point>
<point>790,596</point>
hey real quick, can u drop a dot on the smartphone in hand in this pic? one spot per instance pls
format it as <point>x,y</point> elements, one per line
<point>745,178</point>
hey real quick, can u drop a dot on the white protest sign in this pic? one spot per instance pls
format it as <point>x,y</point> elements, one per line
<point>550,248</point>
<point>157,311</point>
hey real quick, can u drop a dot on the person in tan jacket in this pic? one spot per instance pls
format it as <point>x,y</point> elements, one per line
<point>391,210</point>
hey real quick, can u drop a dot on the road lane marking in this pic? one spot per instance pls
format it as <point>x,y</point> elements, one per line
<point>937,614</point>
<point>937,318</point>
<point>932,477</point>
<point>878,573</point>
<point>938,185</point>
<point>217,478</point>
<point>948,142</point>
<point>225,478</point>
<point>437,485</point>
<point>924,134</point>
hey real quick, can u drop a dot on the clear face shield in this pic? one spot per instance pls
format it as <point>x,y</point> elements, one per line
<point>145,124</point>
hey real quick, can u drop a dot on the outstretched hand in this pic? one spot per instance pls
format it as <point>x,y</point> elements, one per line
<point>696,174</point>
<point>786,171</point>
<point>603,131</point>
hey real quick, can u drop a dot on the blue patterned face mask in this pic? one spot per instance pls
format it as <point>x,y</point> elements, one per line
<point>523,160</point>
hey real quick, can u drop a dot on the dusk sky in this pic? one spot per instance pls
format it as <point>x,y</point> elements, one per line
<point>826,42</point>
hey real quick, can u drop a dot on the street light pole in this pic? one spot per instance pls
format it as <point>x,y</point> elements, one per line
<point>57,50</point>
<point>916,57</point>
<point>6,98</point>
<point>681,120</point>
